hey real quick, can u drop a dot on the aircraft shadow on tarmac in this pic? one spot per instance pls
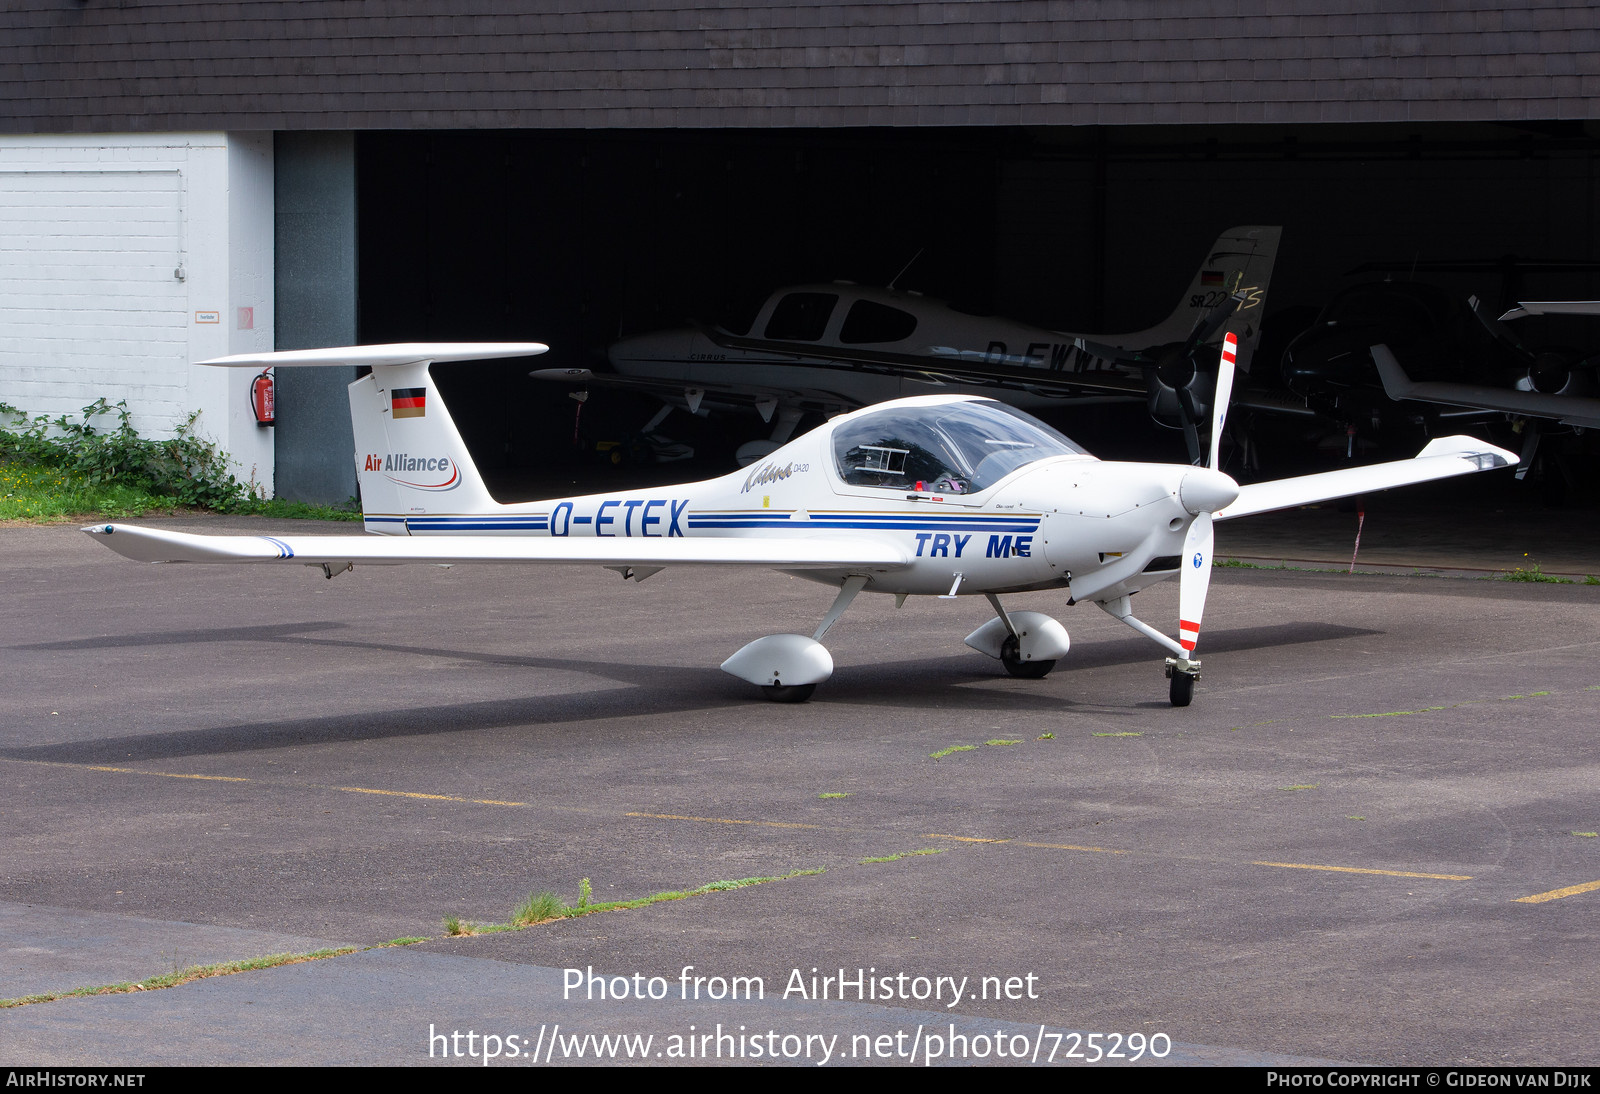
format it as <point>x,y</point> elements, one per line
<point>645,691</point>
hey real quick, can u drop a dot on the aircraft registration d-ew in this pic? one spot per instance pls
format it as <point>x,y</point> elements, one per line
<point>935,495</point>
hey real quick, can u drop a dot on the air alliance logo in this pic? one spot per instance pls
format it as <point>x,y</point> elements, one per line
<point>417,472</point>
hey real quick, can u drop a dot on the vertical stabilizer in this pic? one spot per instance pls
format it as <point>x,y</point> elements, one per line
<point>410,459</point>
<point>1240,261</point>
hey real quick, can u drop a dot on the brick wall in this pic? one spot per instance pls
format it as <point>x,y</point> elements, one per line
<point>76,65</point>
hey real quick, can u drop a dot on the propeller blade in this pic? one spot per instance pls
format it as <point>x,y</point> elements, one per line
<point>1189,415</point>
<point>1195,581</point>
<point>1219,401</point>
<point>1207,328</point>
<point>1496,328</point>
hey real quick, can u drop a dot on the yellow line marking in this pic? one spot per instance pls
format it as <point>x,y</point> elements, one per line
<point>166,774</point>
<point>429,797</point>
<point>964,839</point>
<point>1557,894</point>
<point>721,820</point>
<point>1360,870</point>
<point>1075,847</point>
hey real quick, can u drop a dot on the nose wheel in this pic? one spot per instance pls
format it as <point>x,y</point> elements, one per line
<point>1183,673</point>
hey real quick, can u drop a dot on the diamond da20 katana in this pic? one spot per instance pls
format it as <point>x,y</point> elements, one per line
<point>936,495</point>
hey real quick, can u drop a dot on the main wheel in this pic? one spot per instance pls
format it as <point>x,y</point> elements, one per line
<point>1011,658</point>
<point>788,693</point>
<point>1182,689</point>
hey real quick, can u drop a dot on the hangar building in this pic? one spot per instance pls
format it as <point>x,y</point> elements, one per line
<point>181,180</point>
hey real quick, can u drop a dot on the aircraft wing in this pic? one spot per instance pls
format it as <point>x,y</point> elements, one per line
<point>716,392</point>
<point>780,553</point>
<point>1552,307</point>
<point>959,366</point>
<point>1441,459</point>
<point>1569,409</point>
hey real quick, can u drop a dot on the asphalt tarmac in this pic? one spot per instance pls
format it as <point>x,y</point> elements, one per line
<point>1369,840</point>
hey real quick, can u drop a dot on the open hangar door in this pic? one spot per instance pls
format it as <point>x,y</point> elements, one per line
<point>575,239</point>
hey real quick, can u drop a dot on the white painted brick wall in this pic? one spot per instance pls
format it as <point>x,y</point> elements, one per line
<point>92,230</point>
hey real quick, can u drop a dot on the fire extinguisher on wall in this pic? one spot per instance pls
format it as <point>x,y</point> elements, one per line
<point>261,398</point>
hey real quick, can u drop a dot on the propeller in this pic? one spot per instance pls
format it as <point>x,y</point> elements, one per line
<point>1177,368</point>
<point>1202,492</point>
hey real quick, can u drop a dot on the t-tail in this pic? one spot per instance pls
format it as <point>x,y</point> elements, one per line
<point>411,462</point>
<point>1239,264</point>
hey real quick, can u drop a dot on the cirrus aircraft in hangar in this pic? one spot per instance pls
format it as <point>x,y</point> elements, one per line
<point>933,495</point>
<point>829,348</point>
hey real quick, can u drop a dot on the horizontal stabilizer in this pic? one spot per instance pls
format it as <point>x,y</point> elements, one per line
<point>788,553</point>
<point>400,353</point>
<point>1441,459</point>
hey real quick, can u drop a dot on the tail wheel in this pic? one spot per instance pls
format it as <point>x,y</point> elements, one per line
<point>788,693</point>
<point>1011,658</point>
<point>1182,690</point>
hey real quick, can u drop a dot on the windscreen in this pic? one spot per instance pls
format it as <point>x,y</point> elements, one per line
<point>951,448</point>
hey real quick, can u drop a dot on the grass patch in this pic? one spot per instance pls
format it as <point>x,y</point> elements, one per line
<point>1045,737</point>
<point>540,908</point>
<point>1533,572</point>
<point>1124,733</point>
<point>1307,786</point>
<point>905,854</point>
<point>998,741</point>
<point>835,794</point>
<point>546,907</point>
<point>1352,816</point>
<point>526,915</point>
<point>943,752</point>
<point>182,976</point>
<point>73,468</point>
<point>1450,706</point>
<point>1587,835</point>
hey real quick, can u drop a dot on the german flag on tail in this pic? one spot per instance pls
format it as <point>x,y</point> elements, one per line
<point>410,402</point>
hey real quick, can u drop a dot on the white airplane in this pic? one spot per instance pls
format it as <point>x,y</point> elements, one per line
<point>836,347</point>
<point>935,495</point>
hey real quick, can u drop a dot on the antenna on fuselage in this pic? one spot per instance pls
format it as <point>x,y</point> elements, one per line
<point>895,279</point>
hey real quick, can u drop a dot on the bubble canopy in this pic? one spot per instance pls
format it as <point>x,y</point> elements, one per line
<point>947,448</point>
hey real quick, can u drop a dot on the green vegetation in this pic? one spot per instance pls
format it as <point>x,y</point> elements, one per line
<point>182,976</point>
<point>1451,706</point>
<point>943,752</point>
<point>835,794</point>
<point>1045,737</point>
<point>546,907</point>
<point>59,468</point>
<point>541,908</point>
<point>1125,733</point>
<point>1587,835</point>
<point>538,908</point>
<point>905,854</point>
<point>998,741</point>
<point>1533,572</point>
